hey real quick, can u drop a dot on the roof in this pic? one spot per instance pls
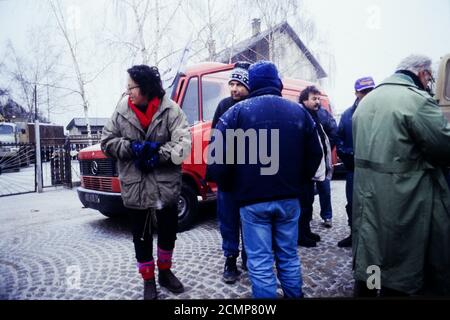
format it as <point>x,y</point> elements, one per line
<point>243,46</point>
<point>81,122</point>
<point>206,66</point>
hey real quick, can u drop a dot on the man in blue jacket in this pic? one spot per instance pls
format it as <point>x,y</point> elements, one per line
<point>268,199</point>
<point>345,148</point>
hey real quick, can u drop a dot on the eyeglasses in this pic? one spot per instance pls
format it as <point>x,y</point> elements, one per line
<point>430,75</point>
<point>128,89</point>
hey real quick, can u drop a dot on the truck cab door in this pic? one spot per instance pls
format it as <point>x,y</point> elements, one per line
<point>443,86</point>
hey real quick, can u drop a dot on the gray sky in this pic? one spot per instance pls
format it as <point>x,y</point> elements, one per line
<point>371,37</point>
<point>365,37</point>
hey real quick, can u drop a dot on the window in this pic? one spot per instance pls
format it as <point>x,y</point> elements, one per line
<point>190,101</point>
<point>214,89</point>
<point>6,129</point>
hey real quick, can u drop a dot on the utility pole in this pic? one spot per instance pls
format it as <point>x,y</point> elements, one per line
<point>37,138</point>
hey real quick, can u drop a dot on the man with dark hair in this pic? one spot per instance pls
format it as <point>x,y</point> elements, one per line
<point>148,135</point>
<point>268,202</point>
<point>327,129</point>
<point>345,148</point>
<point>227,208</point>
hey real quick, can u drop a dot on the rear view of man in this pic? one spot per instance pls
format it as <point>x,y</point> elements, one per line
<point>227,209</point>
<point>401,201</point>
<point>268,201</point>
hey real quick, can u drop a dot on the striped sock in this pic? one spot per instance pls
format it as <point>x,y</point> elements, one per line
<point>147,269</point>
<point>164,259</point>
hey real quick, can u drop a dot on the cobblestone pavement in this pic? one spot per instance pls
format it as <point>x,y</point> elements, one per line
<point>52,248</point>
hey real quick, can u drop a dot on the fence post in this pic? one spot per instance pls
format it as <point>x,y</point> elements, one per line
<point>37,137</point>
<point>67,164</point>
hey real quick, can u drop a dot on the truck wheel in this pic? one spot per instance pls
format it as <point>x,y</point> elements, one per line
<point>109,214</point>
<point>187,207</point>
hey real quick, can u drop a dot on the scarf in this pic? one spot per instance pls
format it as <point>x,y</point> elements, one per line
<point>145,118</point>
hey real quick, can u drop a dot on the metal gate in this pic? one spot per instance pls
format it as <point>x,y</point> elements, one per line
<point>56,163</point>
<point>59,165</point>
<point>17,168</point>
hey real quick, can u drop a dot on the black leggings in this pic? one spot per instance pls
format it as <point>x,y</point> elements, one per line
<point>143,231</point>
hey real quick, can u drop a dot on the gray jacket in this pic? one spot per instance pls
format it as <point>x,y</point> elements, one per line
<point>169,127</point>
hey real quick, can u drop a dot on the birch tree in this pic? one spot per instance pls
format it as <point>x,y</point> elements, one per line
<point>82,78</point>
<point>34,70</point>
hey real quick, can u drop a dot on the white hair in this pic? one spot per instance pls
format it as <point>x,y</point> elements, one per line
<point>415,63</point>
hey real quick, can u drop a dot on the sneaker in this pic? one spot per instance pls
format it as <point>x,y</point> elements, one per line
<point>168,280</point>
<point>345,243</point>
<point>230,270</point>
<point>327,223</point>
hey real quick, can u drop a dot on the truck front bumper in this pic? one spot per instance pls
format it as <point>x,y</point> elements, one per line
<point>102,201</point>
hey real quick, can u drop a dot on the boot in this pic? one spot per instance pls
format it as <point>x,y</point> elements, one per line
<point>168,280</point>
<point>304,230</point>
<point>304,241</point>
<point>150,292</point>
<point>313,236</point>
<point>230,270</point>
<point>345,243</point>
<point>147,271</point>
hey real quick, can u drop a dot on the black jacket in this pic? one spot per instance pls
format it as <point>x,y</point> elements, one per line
<point>222,107</point>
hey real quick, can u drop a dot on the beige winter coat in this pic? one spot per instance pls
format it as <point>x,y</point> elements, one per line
<point>169,126</point>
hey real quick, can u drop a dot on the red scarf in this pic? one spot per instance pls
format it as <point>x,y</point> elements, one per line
<point>145,118</point>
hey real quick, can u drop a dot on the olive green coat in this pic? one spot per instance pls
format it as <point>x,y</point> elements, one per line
<point>169,126</point>
<point>401,202</point>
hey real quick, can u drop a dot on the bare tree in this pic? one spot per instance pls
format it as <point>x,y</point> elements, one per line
<point>37,71</point>
<point>204,19</point>
<point>71,43</point>
<point>151,24</point>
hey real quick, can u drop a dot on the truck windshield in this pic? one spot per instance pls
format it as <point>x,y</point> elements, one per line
<point>5,129</point>
<point>214,89</point>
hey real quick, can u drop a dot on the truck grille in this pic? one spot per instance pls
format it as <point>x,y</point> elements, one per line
<point>98,183</point>
<point>99,167</point>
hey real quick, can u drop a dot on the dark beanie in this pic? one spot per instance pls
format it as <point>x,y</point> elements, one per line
<point>264,74</point>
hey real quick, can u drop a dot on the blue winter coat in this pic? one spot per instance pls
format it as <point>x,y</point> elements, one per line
<point>298,148</point>
<point>344,144</point>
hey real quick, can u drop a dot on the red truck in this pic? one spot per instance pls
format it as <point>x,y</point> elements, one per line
<point>198,92</point>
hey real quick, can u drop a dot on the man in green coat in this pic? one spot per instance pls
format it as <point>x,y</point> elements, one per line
<point>401,207</point>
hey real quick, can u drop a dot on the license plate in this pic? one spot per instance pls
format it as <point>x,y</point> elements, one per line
<point>92,198</point>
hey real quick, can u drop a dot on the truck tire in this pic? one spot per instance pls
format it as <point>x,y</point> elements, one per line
<point>187,207</point>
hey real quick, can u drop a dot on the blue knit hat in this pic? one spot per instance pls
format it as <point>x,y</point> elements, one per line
<point>264,74</point>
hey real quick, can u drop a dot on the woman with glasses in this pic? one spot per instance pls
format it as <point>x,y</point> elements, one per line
<point>148,136</point>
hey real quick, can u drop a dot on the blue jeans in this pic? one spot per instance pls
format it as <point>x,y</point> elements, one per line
<point>324,190</point>
<point>349,195</point>
<point>229,223</point>
<point>272,226</point>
